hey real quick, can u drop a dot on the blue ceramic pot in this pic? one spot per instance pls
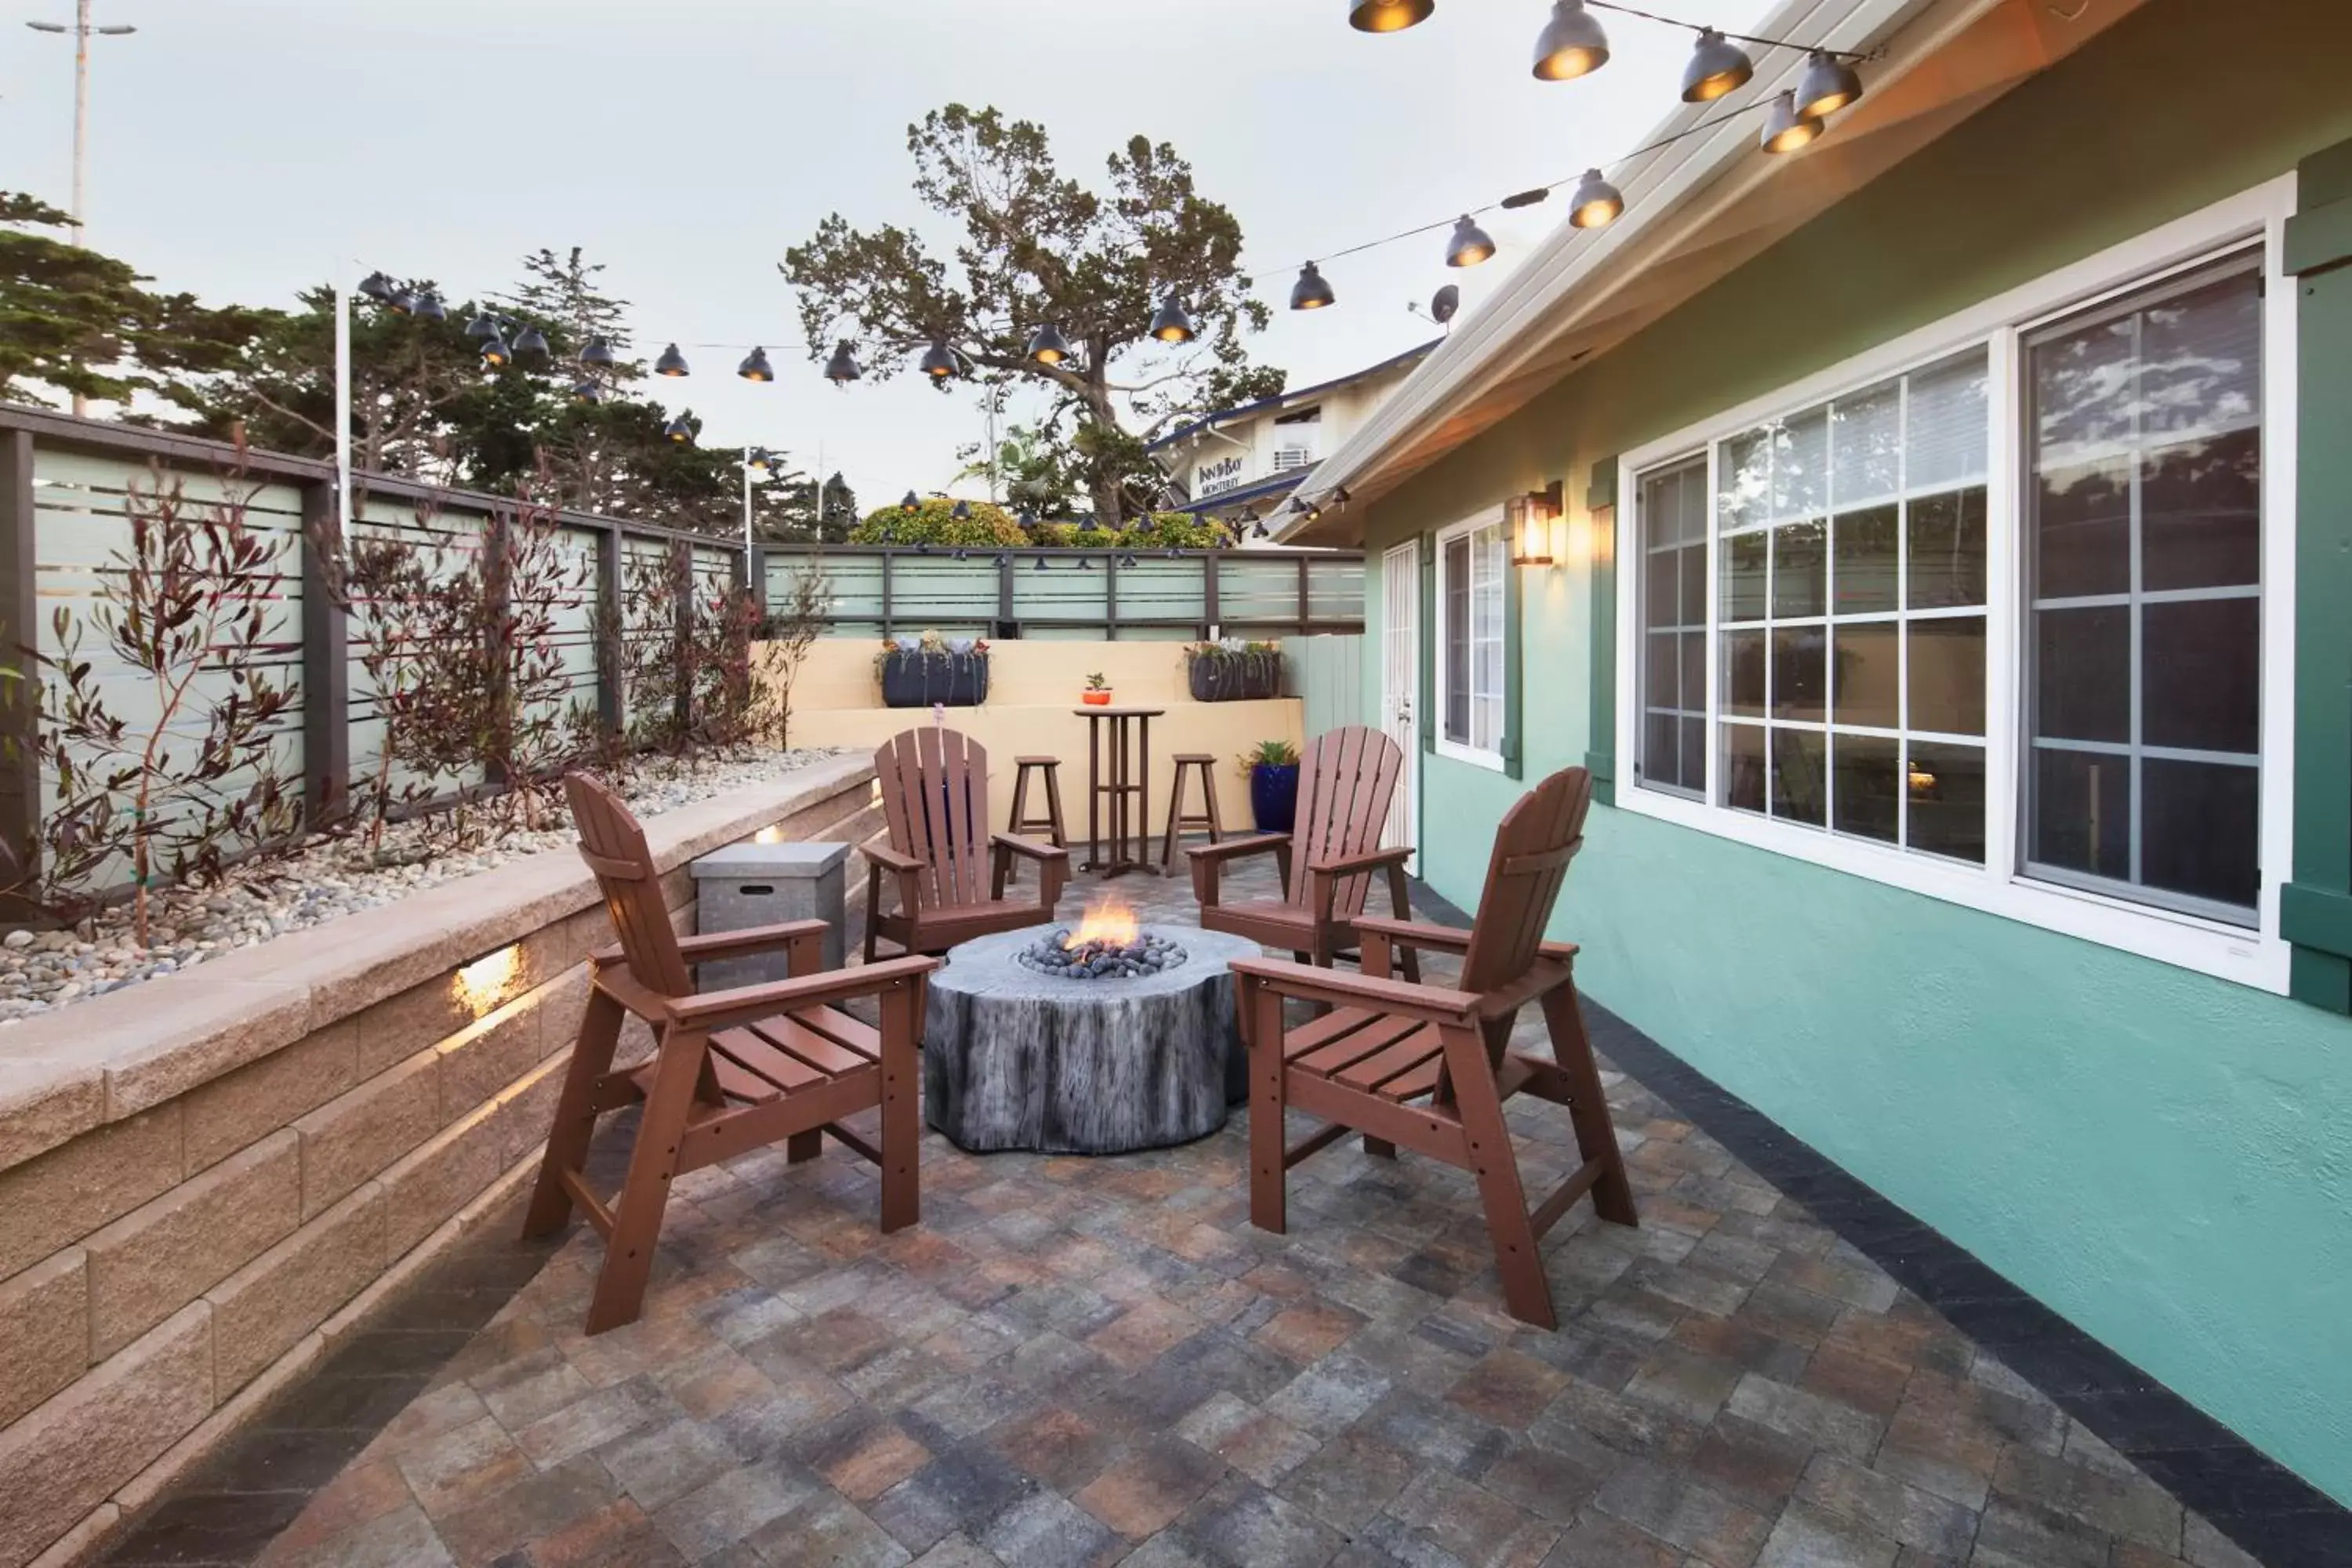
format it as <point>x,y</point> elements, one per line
<point>1273,795</point>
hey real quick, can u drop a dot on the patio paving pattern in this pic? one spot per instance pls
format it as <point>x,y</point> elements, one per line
<point>1086,1360</point>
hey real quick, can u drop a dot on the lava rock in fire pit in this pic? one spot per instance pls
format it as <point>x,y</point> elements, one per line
<point>1060,955</point>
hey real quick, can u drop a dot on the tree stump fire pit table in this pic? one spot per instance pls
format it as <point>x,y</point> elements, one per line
<point>1085,1043</point>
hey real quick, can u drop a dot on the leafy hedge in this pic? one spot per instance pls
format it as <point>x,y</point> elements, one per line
<point>934,523</point>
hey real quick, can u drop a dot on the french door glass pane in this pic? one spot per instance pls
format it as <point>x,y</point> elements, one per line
<point>1945,792</point>
<point>1743,576</point>
<point>1743,674</point>
<point>1799,565</point>
<point>1868,660</point>
<point>1456,563</point>
<point>1947,550</point>
<point>1866,445</point>
<point>1948,427</point>
<point>1869,797</point>
<point>1947,675</point>
<point>1799,689</point>
<point>2147,498</point>
<point>1800,461</point>
<point>1743,766</point>
<point>1869,562</point>
<point>1800,775</point>
<point>1661,671</point>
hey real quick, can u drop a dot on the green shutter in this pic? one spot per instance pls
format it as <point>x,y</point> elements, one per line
<point>1430,652</point>
<point>1601,496</point>
<point>2315,909</point>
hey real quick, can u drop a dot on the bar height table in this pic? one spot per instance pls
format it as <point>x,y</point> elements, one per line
<point>1128,795</point>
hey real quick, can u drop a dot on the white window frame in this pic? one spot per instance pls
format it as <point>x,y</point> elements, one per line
<point>1477,756</point>
<point>2257,957</point>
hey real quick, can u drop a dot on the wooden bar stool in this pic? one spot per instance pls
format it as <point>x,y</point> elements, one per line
<point>1022,825</point>
<point>1208,818</point>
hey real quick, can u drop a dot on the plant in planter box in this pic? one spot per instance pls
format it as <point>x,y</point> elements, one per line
<point>932,670</point>
<point>1233,670</point>
<point>1097,691</point>
<point>1272,767</point>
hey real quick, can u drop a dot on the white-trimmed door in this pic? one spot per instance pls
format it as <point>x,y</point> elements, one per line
<point>1401,686</point>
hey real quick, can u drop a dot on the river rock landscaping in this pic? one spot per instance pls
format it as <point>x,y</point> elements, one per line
<point>333,876</point>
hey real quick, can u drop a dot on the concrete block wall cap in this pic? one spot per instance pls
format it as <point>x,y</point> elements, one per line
<point>782,860</point>
<point>65,1071</point>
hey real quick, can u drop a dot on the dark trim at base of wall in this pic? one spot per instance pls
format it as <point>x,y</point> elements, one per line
<point>2265,1508</point>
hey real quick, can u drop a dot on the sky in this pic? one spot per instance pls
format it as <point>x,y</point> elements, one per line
<point>243,149</point>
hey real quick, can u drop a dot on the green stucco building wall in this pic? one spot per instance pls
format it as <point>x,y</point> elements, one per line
<point>2164,1158</point>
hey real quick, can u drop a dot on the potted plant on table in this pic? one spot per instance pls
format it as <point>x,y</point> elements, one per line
<point>931,670</point>
<point>1272,767</point>
<point>1097,691</point>
<point>1234,670</point>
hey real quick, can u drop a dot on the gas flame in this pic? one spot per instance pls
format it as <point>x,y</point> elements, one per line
<point>1109,921</point>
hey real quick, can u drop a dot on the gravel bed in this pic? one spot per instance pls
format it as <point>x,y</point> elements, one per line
<point>327,878</point>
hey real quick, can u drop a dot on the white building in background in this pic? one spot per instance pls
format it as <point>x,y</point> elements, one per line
<point>1240,464</point>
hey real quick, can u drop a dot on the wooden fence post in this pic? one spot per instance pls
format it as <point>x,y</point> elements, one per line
<point>499,589</point>
<point>1210,612</point>
<point>1110,598</point>
<point>612,557</point>
<point>885,592</point>
<point>1004,593</point>
<point>1305,595</point>
<point>681,565</point>
<point>20,633</point>
<point>326,660</point>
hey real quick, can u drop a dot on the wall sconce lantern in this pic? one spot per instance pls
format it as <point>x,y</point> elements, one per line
<point>1530,519</point>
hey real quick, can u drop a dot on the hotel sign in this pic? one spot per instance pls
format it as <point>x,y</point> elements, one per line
<point>1214,478</point>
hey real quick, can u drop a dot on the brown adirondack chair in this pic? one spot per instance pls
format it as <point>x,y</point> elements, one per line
<point>934,784</point>
<point>731,1070</point>
<point>1345,783</point>
<point>1428,1067</point>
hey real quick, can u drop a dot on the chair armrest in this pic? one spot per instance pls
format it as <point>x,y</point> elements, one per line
<point>1235,848</point>
<point>1362,860</point>
<point>727,943</point>
<point>748,1004</point>
<point>1414,933</point>
<point>1404,998</point>
<point>1030,848</point>
<point>891,859</point>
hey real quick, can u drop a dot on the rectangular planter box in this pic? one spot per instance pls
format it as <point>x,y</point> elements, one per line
<point>923,680</point>
<point>1246,679</point>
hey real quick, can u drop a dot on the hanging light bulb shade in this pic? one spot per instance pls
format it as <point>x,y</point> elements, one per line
<point>1469,244</point>
<point>1828,85</point>
<point>482,327</point>
<point>842,368</point>
<point>378,288</point>
<point>1445,303</point>
<point>587,392</point>
<point>1388,16</point>
<point>1088,524</point>
<point>1596,202</point>
<point>404,303</point>
<point>680,430</point>
<point>1027,518</point>
<point>1261,532</point>
<point>939,361</point>
<point>960,511</point>
<point>429,307</point>
<point>755,366</point>
<point>911,502</point>
<point>1048,346</point>
<point>495,352</point>
<point>672,363</point>
<point>1717,66</point>
<point>531,349</point>
<point>597,354</point>
<point>758,458</point>
<point>1310,293</point>
<point>1571,44</point>
<point>1785,130</point>
<point>1171,323</point>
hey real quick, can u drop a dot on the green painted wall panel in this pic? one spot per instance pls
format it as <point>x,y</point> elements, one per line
<point>2165,1158</point>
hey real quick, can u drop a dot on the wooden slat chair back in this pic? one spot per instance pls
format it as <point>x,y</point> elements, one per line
<point>731,1070</point>
<point>1328,862</point>
<point>1429,1067</point>
<point>948,873</point>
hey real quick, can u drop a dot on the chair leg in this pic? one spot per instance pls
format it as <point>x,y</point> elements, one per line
<point>902,1093</point>
<point>1378,1148</point>
<point>575,1114</point>
<point>1060,836</point>
<point>1175,815</point>
<point>1588,1106</point>
<point>1268,1178</point>
<point>1487,1140</point>
<point>1401,906</point>
<point>801,1147</point>
<point>653,1163</point>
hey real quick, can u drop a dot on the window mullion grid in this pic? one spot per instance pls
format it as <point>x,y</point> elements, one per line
<point>1771,604</point>
<point>1829,618</point>
<point>2008,620</point>
<point>1903,612</point>
<point>2138,582</point>
<point>1710,776</point>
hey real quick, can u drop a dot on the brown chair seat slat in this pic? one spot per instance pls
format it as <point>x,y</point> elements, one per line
<point>844,1030</point>
<point>827,1057</point>
<point>787,1073</point>
<point>1414,1081</point>
<point>739,1082</point>
<point>1322,1031</point>
<point>1378,1037</point>
<point>1421,1045</point>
